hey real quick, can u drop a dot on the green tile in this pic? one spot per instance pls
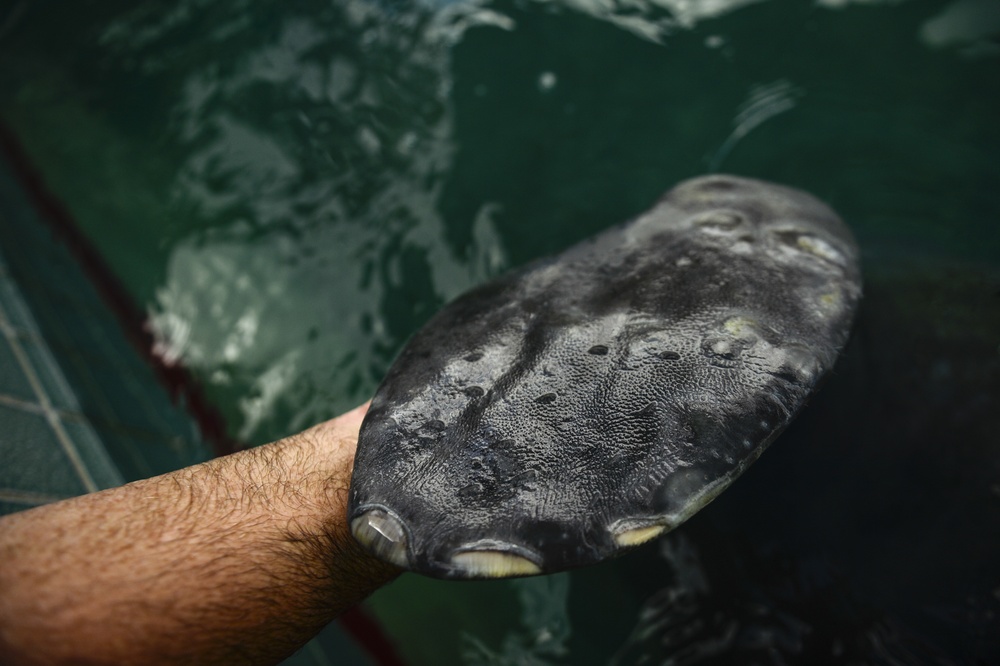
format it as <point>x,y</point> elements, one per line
<point>138,453</point>
<point>12,306</point>
<point>66,327</point>
<point>92,453</point>
<point>13,381</point>
<point>84,361</point>
<point>49,375</point>
<point>34,459</point>
<point>90,392</point>
<point>116,390</point>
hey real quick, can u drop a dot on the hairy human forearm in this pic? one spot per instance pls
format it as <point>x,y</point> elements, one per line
<point>238,560</point>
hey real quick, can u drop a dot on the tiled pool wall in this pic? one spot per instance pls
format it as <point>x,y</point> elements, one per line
<point>80,409</point>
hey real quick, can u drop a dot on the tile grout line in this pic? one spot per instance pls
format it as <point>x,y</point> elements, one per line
<point>23,405</point>
<point>34,408</point>
<point>43,399</point>
<point>25,497</point>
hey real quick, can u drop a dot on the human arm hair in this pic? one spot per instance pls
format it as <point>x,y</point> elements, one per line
<point>239,560</point>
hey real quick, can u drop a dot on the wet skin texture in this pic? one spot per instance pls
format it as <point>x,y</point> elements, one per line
<point>567,411</point>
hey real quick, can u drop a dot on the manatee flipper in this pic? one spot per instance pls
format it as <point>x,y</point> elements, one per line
<point>584,404</point>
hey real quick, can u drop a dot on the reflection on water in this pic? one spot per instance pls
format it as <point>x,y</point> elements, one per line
<point>654,20</point>
<point>291,189</point>
<point>765,101</point>
<point>313,159</point>
<point>969,24</point>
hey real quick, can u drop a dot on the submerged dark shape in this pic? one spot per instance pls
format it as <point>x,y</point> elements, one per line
<point>588,402</point>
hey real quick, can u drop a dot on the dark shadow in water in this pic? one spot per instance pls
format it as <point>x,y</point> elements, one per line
<point>869,532</point>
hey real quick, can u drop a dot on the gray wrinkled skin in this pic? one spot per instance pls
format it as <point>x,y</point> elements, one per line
<point>570,410</point>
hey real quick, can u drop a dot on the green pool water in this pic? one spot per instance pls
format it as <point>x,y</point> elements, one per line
<point>290,189</point>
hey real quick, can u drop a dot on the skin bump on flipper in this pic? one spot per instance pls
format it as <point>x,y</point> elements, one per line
<point>589,402</point>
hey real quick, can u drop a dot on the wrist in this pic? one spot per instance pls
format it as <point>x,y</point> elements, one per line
<point>307,478</point>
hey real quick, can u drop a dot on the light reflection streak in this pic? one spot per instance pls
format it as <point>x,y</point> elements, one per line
<point>764,102</point>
